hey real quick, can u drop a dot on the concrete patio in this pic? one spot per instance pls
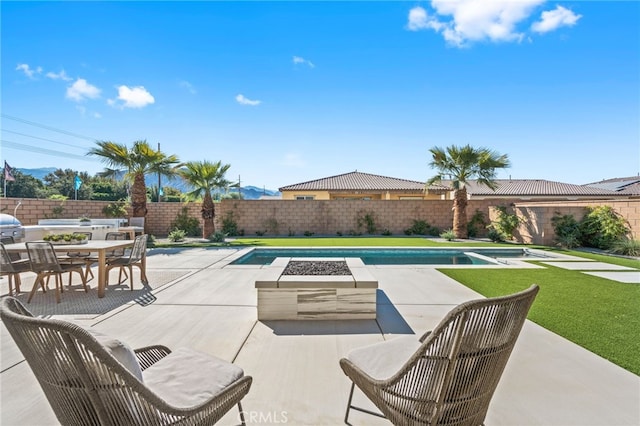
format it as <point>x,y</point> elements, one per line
<point>197,300</point>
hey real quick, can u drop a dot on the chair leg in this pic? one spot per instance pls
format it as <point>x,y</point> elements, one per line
<point>241,414</point>
<point>131,277</point>
<point>346,416</point>
<point>39,280</point>
<point>349,407</point>
<point>59,286</point>
<point>17,283</point>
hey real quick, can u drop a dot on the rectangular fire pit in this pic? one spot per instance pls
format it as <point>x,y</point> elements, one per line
<point>348,293</point>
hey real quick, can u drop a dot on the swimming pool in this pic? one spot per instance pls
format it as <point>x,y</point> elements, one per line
<point>388,256</point>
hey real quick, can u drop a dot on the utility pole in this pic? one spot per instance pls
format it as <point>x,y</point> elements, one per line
<point>159,187</point>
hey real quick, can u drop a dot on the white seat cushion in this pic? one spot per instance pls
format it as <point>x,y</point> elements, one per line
<point>382,360</point>
<point>185,377</point>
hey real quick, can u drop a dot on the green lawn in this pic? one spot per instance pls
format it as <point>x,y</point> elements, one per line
<point>356,241</point>
<point>600,315</point>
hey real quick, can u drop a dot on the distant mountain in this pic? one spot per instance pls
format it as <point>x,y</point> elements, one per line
<point>38,173</point>
<point>248,192</point>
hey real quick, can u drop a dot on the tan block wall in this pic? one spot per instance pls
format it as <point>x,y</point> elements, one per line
<point>157,222</point>
<point>324,217</point>
<point>538,229</point>
<point>280,217</point>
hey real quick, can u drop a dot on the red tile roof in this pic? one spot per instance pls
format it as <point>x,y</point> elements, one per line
<point>536,187</point>
<point>358,181</point>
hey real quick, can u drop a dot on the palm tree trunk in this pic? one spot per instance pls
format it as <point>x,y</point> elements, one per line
<point>208,214</point>
<point>460,213</point>
<point>139,196</point>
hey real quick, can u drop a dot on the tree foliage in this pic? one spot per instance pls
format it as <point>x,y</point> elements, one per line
<point>462,164</point>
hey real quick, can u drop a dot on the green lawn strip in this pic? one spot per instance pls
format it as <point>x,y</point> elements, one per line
<point>600,315</point>
<point>358,241</point>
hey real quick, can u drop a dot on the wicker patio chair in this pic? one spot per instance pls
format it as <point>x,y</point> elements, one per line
<point>449,375</point>
<point>92,379</point>
<point>12,269</point>
<point>135,258</point>
<point>44,263</point>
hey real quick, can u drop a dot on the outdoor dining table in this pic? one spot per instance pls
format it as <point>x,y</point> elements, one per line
<point>92,246</point>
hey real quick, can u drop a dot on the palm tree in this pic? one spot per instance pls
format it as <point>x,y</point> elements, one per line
<point>204,177</point>
<point>137,162</point>
<point>463,164</point>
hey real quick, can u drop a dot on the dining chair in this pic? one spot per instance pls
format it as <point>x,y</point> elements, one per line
<point>137,221</point>
<point>449,375</point>
<point>136,258</point>
<point>90,378</point>
<point>44,263</point>
<point>80,257</point>
<point>8,239</point>
<point>12,269</point>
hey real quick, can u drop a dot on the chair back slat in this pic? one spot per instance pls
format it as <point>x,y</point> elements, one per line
<point>139,248</point>
<point>6,265</point>
<point>116,236</point>
<point>8,239</point>
<point>42,256</point>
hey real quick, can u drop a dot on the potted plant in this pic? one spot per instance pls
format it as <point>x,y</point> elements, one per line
<point>58,239</point>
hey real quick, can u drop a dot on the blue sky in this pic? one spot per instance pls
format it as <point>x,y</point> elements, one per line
<point>287,92</point>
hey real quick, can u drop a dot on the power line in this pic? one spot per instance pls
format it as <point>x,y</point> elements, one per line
<point>43,126</point>
<point>45,151</point>
<point>43,139</point>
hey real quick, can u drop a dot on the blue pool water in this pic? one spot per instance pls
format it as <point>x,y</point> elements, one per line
<point>379,256</point>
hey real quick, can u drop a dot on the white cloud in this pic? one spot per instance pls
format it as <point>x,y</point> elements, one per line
<point>462,22</point>
<point>242,100</point>
<point>299,60</point>
<point>292,159</point>
<point>551,20</point>
<point>26,69</point>
<point>62,75</point>
<point>80,90</point>
<point>188,86</point>
<point>132,97</point>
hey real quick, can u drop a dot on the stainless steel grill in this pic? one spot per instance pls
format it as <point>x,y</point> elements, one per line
<point>11,227</point>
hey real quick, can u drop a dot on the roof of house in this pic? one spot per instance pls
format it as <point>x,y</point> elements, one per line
<point>535,187</point>
<point>358,181</point>
<point>627,185</point>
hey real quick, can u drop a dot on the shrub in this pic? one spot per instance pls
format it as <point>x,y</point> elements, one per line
<point>495,235</point>
<point>601,227</point>
<point>567,230</point>
<point>421,227</point>
<point>176,235</point>
<point>217,237</point>
<point>386,232</point>
<point>229,225</point>
<point>476,223</point>
<point>368,220</point>
<point>116,209</point>
<point>506,224</point>
<point>190,225</point>
<point>308,233</point>
<point>448,235</point>
<point>626,247</point>
<point>260,233</point>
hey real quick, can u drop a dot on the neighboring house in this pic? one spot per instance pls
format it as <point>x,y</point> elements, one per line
<point>361,186</point>
<point>365,186</point>
<point>628,186</point>
<point>537,190</point>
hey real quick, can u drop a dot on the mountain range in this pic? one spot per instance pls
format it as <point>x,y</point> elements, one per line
<point>248,192</point>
